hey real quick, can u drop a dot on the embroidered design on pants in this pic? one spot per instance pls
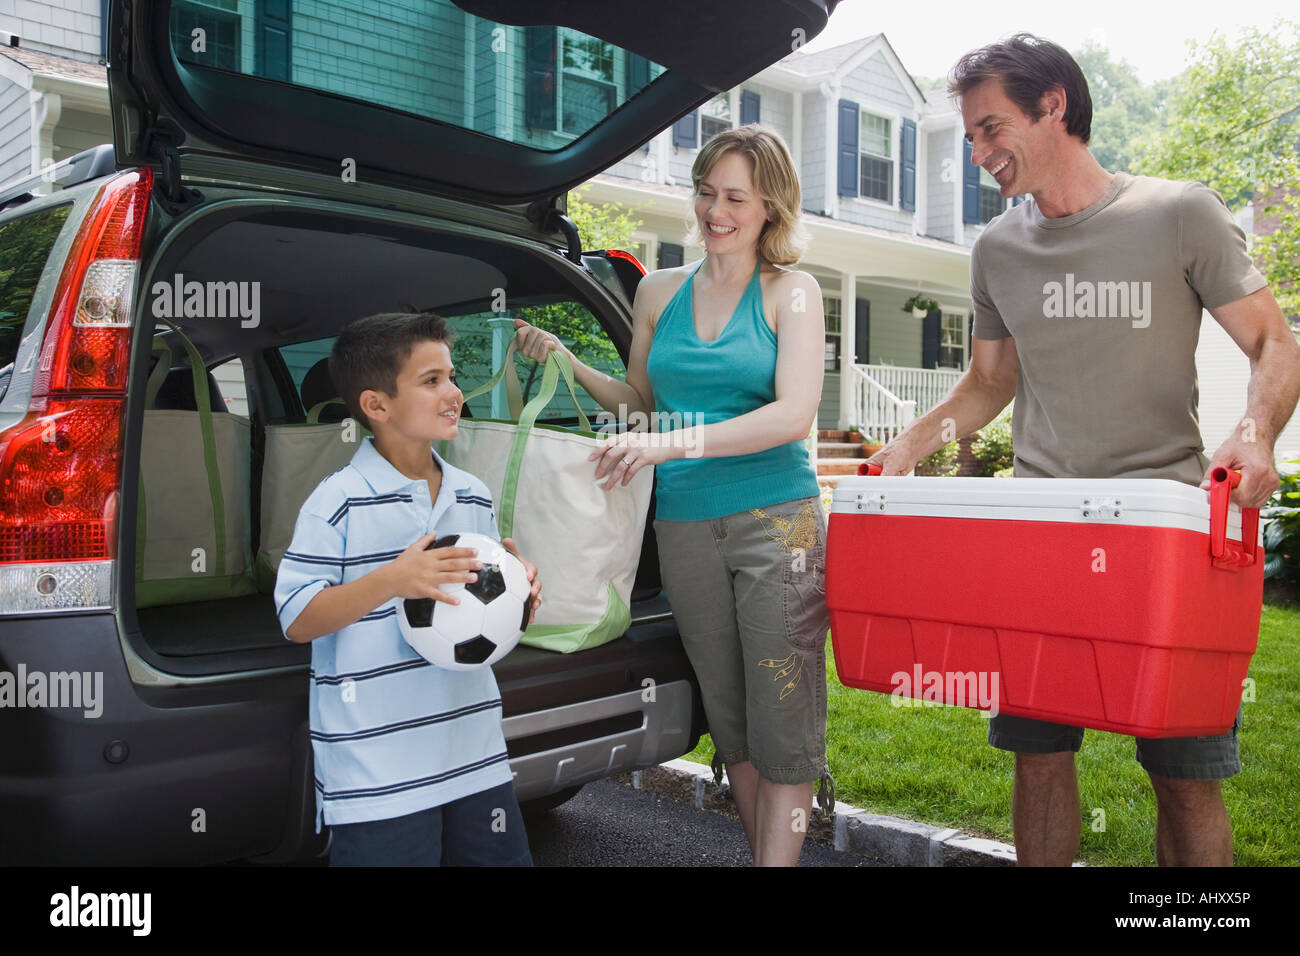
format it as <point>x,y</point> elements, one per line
<point>797,532</point>
<point>786,666</point>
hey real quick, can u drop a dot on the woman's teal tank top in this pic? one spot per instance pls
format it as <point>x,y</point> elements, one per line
<point>698,383</point>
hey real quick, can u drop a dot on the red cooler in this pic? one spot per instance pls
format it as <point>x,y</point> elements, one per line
<point>1129,605</point>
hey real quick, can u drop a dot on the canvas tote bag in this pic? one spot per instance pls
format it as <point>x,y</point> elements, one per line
<point>193,519</point>
<point>297,458</point>
<point>585,541</point>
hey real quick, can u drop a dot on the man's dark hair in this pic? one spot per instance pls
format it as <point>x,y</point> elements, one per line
<point>370,352</point>
<point>1028,66</point>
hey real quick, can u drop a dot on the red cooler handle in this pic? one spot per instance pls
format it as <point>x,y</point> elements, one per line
<point>867,468</point>
<point>1222,481</point>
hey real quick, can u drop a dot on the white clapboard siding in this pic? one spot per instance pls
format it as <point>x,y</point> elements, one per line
<point>230,380</point>
<point>1223,371</point>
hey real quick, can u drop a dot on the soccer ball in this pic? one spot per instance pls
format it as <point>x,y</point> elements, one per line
<point>487,623</point>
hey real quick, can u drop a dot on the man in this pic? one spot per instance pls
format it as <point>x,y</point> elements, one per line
<point>1088,303</point>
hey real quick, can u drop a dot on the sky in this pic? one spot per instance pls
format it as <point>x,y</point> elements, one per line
<point>930,35</point>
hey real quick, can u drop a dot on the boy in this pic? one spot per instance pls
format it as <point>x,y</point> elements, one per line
<point>411,765</point>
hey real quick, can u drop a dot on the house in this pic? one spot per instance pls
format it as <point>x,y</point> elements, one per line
<point>891,200</point>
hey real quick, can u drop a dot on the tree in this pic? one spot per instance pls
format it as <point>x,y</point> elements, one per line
<point>1234,124</point>
<point>606,226</point>
<point>1123,109</point>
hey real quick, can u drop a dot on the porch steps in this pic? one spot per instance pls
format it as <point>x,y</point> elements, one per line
<point>837,455</point>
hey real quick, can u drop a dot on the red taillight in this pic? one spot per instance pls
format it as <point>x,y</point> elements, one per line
<point>60,466</point>
<point>87,343</point>
<point>58,482</point>
<point>620,254</point>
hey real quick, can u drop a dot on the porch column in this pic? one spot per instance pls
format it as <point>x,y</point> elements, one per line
<point>848,343</point>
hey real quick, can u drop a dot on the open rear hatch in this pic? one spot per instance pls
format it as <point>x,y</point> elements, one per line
<point>494,101</point>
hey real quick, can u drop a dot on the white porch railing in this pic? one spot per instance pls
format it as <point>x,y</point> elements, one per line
<point>925,386</point>
<point>882,392</point>
<point>879,413</point>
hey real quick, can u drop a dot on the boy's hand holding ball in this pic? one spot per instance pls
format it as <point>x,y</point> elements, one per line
<point>535,595</point>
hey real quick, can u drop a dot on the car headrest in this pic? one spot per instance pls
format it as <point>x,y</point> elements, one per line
<point>177,392</point>
<point>317,387</point>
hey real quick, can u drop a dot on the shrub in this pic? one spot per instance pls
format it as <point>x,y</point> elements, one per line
<point>942,463</point>
<point>992,449</point>
<point>1282,533</point>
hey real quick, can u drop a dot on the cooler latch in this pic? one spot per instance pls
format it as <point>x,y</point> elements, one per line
<point>1102,509</point>
<point>871,501</point>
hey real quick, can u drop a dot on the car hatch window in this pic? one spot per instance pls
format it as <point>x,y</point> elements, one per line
<point>539,86</point>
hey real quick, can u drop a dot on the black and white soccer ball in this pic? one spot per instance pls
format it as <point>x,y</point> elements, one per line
<point>487,623</point>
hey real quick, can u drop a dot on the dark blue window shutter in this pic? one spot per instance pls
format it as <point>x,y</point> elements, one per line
<point>670,255</point>
<point>930,339</point>
<point>274,49</point>
<point>539,67</point>
<point>907,175</point>
<point>637,75</point>
<point>686,131</point>
<point>970,190</point>
<point>748,106</point>
<point>847,149</point>
<point>862,332</point>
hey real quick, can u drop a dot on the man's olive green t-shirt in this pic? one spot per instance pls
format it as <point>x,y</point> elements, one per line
<point>1105,308</point>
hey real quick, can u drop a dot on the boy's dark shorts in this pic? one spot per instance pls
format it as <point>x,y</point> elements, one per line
<point>1179,758</point>
<point>482,829</point>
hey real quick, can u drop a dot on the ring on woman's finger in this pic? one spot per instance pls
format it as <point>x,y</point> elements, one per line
<point>628,461</point>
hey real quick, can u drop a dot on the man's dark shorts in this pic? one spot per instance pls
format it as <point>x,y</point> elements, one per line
<point>1179,758</point>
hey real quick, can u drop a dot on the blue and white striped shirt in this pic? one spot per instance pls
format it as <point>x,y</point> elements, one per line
<point>391,733</point>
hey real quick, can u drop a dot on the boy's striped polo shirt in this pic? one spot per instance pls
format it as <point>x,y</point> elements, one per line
<point>391,733</point>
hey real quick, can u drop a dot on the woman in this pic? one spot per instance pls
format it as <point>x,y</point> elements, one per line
<point>732,348</point>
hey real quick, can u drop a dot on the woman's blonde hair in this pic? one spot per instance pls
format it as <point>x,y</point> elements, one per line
<point>782,241</point>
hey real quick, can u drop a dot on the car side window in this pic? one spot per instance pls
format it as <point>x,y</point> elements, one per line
<point>229,377</point>
<point>306,362</point>
<point>25,245</point>
<point>571,321</point>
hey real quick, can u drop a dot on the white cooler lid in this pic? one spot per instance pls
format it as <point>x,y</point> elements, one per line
<point>1149,502</point>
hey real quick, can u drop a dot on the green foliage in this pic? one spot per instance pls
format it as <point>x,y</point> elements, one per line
<point>939,464</point>
<point>1234,124</point>
<point>992,449</point>
<point>1123,109</point>
<point>923,302</point>
<point>606,226</point>
<point>1282,533</point>
<point>25,244</point>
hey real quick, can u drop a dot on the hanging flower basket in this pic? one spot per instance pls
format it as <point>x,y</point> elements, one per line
<point>920,305</point>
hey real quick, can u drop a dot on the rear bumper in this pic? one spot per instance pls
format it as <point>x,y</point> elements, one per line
<point>203,773</point>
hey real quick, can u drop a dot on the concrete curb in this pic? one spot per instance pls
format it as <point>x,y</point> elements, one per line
<point>891,840</point>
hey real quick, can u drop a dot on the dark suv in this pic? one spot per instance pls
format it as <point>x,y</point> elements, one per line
<point>422,164</point>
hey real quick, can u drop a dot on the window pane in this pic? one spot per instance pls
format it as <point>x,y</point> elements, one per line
<point>588,56</point>
<point>219,41</point>
<point>991,203</point>
<point>875,135</point>
<point>877,179</point>
<point>831,309</point>
<point>25,244</point>
<point>586,103</point>
<point>719,106</point>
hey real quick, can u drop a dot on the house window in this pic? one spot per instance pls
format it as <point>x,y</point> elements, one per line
<point>991,201</point>
<point>831,308</point>
<point>952,340</point>
<point>715,116</point>
<point>220,25</point>
<point>587,90</point>
<point>875,163</point>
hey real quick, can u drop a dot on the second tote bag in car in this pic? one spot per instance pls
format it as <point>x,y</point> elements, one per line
<point>585,541</point>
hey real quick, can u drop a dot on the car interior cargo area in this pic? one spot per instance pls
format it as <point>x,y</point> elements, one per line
<point>235,418</point>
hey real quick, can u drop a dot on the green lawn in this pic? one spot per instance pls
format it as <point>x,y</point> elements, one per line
<point>934,765</point>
